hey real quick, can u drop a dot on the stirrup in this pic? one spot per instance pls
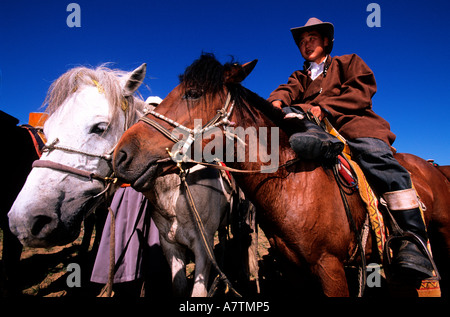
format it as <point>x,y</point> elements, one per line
<point>413,238</point>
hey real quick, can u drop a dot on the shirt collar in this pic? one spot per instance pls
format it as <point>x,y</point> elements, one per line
<point>315,69</point>
<point>315,65</point>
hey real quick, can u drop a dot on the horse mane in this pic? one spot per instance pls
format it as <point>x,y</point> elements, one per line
<point>207,73</point>
<point>71,81</point>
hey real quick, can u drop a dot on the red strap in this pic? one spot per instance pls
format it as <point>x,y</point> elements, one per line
<point>228,173</point>
<point>345,172</point>
<point>36,138</point>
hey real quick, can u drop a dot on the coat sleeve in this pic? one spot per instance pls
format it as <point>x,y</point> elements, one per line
<point>354,89</point>
<point>289,92</point>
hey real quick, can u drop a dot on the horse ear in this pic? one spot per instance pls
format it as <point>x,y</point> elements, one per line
<point>134,80</point>
<point>238,73</point>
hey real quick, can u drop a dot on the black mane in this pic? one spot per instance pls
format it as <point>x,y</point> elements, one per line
<point>207,73</point>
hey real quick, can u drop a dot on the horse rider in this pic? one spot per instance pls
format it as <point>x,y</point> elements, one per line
<point>341,89</point>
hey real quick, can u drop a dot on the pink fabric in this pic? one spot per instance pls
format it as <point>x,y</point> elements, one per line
<point>126,204</point>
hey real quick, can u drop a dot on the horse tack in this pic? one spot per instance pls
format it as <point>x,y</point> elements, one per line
<point>52,146</point>
<point>36,137</point>
<point>201,230</point>
<point>221,118</point>
<point>72,170</point>
<point>351,172</point>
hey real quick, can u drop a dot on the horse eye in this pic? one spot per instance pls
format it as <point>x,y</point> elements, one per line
<point>99,128</point>
<point>193,94</point>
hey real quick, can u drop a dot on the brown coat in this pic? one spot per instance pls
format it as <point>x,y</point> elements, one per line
<point>345,92</point>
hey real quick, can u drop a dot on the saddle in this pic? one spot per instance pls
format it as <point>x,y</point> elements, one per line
<point>35,128</point>
<point>353,176</point>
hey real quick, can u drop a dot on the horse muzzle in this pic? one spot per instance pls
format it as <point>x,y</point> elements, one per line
<point>41,230</point>
<point>132,167</point>
<point>44,223</point>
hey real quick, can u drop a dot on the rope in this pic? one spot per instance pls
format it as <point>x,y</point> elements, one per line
<point>160,128</point>
<point>362,270</point>
<point>52,146</point>
<point>209,252</point>
<point>235,170</point>
<point>222,114</point>
<point>112,253</point>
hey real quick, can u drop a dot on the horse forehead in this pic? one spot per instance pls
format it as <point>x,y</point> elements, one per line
<point>79,110</point>
<point>88,103</point>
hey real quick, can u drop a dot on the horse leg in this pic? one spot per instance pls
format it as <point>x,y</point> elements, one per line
<point>176,257</point>
<point>331,274</point>
<point>202,269</point>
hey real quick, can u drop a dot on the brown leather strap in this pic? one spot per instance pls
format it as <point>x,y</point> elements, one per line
<point>68,169</point>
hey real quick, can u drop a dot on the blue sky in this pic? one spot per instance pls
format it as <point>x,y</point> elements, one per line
<point>408,52</point>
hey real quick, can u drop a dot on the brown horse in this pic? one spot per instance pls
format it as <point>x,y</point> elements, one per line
<point>299,205</point>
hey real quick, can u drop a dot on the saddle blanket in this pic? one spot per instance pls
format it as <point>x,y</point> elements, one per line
<point>428,288</point>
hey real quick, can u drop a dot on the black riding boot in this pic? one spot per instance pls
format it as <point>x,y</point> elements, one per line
<point>409,260</point>
<point>315,143</point>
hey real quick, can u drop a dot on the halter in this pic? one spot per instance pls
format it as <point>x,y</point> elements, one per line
<point>106,180</point>
<point>220,119</point>
<point>72,170</point>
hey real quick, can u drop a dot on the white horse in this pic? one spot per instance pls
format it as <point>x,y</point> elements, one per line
<point>89,110</point>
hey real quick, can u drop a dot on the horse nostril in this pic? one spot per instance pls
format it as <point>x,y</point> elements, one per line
<point>121,157</point>
<point>121,162</point>
<point>40,222</point>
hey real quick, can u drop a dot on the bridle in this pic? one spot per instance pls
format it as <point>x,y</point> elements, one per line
<point>107,181</point>
<point>220,119</point>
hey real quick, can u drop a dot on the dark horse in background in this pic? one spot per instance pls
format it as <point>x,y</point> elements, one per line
<point>18,154</point>
<point>299,206</point>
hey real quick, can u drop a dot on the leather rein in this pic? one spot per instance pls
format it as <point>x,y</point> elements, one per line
<point>107,180</point>
<point>220,119</point>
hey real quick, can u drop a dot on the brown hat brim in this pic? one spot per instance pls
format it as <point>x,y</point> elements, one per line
<point>324,28</point>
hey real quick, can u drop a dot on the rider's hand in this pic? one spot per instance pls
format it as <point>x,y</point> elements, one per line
<point>317,111</point>
<point>277,104</point>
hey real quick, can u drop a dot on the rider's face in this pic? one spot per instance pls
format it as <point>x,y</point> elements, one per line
<point>312,46</point>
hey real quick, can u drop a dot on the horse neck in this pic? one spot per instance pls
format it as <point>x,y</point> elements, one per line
<point>252,115</point>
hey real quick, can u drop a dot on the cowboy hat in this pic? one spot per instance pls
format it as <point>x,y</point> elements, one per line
<point>324,28</point>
